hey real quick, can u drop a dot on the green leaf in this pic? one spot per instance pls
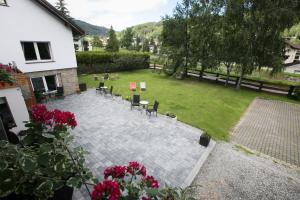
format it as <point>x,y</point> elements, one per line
<point>73,182</point>
<point>3,165</point>
<point>45,187</point>
<point>43,159</point>
<point>47,135</point>
<point>28,164</point>
<point>152,192</point>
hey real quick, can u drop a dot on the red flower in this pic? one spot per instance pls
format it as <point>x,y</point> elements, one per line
<point>40,114</point>
<point>151,182</point>
<point>136,168</point>
<point>106,190</point>
<point>1,66</point>
<point>56,117</point>
<point>9,69</point>
<point>115,172</point>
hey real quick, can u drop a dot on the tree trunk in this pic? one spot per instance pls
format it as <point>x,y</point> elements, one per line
<point>228,67</point>
<point>238,86</point>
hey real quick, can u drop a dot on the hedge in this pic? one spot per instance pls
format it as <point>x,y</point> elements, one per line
<point>101,62</point>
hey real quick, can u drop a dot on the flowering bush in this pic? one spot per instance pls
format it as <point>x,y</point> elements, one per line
<point>131,182</point>
<point>54,118</point>
<point>44,161</point>
<point>125,182</point>
<point>5,74</point>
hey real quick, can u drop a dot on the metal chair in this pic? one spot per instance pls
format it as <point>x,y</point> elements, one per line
<point>153,109</point>
<point>60,92</point>
<point>135,102</point>
<point>100,87</point>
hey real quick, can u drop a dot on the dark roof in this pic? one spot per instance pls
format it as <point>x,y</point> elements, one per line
<point>77,31</point>
<point>294,46</point>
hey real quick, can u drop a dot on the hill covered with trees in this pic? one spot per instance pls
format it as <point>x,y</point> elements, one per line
<point>92,29</point>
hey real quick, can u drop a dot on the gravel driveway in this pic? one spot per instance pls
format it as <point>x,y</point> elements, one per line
<point>230,173</point>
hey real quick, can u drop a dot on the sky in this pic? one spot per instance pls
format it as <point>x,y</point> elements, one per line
<point>119,13</point>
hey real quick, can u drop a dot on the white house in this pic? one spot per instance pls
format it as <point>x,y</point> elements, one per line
<point>292,53</point>
<point>39,39</point>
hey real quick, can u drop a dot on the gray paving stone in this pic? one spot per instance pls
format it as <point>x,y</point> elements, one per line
<point>114,135</point>
<point>273,128</point>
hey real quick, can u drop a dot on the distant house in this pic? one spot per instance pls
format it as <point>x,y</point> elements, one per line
<point>39,40</point>
<point>292,53</point>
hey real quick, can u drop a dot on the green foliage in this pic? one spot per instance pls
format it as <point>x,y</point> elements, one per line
<point>5,76</point>
<point>99,62</point>
<point>96,42</point>
<point>112,43</point>
<point>297,93</point>
<point>150,30</point>
<point>146,47</point>
<point>293,33</point>
<point>246,34</point>
<point>127,38</point>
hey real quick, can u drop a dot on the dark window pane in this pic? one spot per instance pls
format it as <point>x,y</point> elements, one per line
<point>44,50</point>
<point>29,51</point>
<point>51,83</point>
<point>38,84</point>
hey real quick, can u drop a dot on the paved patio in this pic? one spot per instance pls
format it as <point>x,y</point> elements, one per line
<point>273,128</point>
<point>115,135</point>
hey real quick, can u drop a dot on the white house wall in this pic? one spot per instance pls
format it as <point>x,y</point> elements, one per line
<point>17,107</point>
<point>25,20</point>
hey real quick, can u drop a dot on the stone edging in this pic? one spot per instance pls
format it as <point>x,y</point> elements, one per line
<point>188,181</point>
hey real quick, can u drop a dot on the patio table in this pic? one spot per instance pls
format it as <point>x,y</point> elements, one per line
<point>144,103</point>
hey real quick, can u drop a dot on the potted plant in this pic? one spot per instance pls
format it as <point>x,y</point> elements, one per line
<point>43,165</point>
<point>204,139</point>
<point>171,115</point>
<point>82,87</point>
<point>6,76</point>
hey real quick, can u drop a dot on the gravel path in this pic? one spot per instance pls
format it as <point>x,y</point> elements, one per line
<point>231,173</point>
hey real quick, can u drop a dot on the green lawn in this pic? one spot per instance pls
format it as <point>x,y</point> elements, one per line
<point>208,106</point>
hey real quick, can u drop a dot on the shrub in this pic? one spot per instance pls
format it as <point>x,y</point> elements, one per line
<point>297,93</point>
<point>100,62</point>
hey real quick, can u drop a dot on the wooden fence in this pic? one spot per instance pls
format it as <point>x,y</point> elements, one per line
<point>220,78</point>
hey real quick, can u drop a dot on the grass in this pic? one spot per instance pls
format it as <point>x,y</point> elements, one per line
<point>207,106</point>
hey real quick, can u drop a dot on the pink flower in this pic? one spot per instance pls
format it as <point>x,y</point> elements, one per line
<point>151,182</point>
<point>106,190</point>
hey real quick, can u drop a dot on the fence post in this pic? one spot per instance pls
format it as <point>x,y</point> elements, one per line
<point>154,66</point>
<point>237,81</point>
<point>261,86</point>
<point>217,77</point>
<point>291,91</point>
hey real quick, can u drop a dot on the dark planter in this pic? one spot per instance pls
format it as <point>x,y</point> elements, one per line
<point>82,87</point>
<point>65,193</point>
<point>204,139</point>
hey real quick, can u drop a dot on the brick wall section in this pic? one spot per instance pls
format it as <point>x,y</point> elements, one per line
<point>23,81</point>
<point>66,77</point>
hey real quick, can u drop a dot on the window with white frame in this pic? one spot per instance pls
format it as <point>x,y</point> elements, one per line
<point>3,3</point>
<point>45,83</point>
<point>37,51</point>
